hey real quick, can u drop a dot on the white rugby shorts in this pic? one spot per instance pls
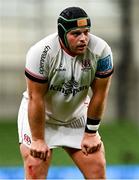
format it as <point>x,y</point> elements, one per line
<point>55,135</point>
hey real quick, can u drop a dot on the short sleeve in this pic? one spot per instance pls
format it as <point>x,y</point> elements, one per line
<point>105,63</point>
<point>36,67</point>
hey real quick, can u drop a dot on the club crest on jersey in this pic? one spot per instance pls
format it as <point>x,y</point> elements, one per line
<point>86,65</point>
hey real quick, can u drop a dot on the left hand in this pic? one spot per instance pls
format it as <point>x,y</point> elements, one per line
<point>91,142</point>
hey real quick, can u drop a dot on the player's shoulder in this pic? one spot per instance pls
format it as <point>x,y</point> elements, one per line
<point>97,44</point>
<point>96,40</point>
<point>49,44</point>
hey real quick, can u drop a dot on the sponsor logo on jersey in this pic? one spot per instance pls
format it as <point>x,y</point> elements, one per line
<point>43,56</point>
<point>70,87</point>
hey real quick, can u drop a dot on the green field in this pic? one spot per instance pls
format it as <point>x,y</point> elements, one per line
<point>120,139</point>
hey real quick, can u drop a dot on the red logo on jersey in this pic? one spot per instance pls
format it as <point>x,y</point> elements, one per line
<point>27,139</point>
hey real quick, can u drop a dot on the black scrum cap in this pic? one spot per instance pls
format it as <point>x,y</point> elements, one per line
<point>71,18</point>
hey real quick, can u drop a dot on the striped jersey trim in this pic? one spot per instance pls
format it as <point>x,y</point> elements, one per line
<point>81,122</point>
<point>34,77</point>
<point>105,74</point>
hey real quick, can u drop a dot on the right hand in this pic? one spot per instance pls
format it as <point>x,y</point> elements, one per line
<point>39,149</point>
<point>90,143</point>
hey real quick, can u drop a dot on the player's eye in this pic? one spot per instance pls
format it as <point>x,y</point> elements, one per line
<point>76,33</point>
<point>86,32</point>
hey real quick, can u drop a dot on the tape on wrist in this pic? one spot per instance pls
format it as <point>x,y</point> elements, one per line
<point>92,125</point>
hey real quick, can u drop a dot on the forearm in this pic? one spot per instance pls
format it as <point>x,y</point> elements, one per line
<point>97,104</point>
<point>36,114</point>
<point>96,107</point>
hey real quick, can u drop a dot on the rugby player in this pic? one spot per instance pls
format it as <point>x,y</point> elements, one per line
<point>56,110</point>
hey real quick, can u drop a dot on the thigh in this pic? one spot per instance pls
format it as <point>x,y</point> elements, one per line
<point>92,165</point>
<point>24,133</point>
<point>34,167</point>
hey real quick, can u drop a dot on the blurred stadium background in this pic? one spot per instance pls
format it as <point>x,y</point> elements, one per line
<point>22,23</point>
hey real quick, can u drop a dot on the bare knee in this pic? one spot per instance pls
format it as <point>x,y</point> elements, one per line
<point>99,169</point>
<point>92,166</point>
<point>34,167</point>
<point>95,170</point>
<point>99,164</point>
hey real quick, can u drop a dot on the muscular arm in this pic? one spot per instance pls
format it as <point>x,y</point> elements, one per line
<point>100,88</point>
<point>36,115</point>
<point>36,108</point>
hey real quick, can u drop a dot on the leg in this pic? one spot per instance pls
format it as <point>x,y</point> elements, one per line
<point>92,166</point>
<point>34,167</point>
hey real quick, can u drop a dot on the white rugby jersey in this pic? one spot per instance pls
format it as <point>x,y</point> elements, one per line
<point>69,78</point>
